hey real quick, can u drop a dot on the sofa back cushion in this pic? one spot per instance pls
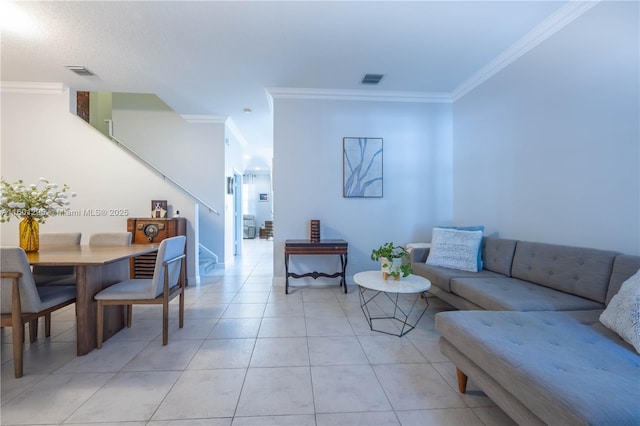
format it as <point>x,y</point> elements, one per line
<point>624,266</point>
<point>497,255</point>
<point>584,272</point>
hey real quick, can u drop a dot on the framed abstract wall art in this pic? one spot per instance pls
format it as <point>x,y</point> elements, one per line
<point>362,167</point>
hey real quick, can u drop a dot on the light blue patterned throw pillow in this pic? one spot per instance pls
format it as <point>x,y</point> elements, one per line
<point>470,228</point>
<point>456,249</point>
<point>622,314</point>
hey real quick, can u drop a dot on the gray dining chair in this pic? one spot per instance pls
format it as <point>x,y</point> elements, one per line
<point>21,302</point>
<point>56,275</point>
<point>168,282</point>
<point>110,239</point>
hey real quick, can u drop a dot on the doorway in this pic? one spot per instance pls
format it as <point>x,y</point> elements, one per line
<point>237,214</point>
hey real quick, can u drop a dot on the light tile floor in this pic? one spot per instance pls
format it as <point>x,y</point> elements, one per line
<point>248,355</point>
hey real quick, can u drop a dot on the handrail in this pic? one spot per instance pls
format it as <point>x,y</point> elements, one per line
<point>212,254</point>
<point>157,170</point>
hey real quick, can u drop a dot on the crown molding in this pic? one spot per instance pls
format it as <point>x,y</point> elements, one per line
<point>32,87</point>
<point>204,119</point>
<point>555,22</point>
<point>356,95</point>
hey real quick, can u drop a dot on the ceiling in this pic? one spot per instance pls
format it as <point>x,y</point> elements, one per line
<point>216,58</point>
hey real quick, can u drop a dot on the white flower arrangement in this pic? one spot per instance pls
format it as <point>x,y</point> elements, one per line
<point>38,201</point>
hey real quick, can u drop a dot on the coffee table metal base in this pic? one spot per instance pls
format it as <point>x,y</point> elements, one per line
<point>399,314</point>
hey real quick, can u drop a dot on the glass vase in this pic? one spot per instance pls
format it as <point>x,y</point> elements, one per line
<point>29,234</point>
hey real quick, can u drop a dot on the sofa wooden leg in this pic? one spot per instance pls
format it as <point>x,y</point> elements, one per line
<point>462,381</point>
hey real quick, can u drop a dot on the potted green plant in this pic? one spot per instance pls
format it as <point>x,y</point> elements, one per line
<point>394,260</point>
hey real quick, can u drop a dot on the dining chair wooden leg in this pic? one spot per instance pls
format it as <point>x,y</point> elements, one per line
<point>181,310</point>
<point>18,343</point>
<point>17,351</point>
<point>165,321</point>
<point>33,330</point>
<point>47,325</point>
<point>129,315</point>
<point>99,325</point>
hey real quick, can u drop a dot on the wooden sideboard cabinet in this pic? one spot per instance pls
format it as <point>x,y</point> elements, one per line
<point>152,230</point>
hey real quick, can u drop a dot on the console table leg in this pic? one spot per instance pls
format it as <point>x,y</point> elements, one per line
<point>286,274</point>
<point>344,271</point>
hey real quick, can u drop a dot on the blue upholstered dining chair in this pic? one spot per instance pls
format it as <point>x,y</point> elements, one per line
<point>21,302</point>
<point>168,282</point>
<point>56,275</point>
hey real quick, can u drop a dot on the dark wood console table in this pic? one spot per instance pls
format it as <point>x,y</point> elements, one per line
<point>338,247</point>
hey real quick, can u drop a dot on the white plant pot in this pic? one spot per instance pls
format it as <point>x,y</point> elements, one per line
<point>388,267</point>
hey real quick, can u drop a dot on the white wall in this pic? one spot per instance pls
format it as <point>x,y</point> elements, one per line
<point>232,164</point>
<point>549,149</point>
<point>192,154</point>
<point>100,108</point>
<point>41,138</point>
<point>307,176</point>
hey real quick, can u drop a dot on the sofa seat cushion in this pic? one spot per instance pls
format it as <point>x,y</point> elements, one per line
<point>441,276</point>
<point>512,294</point>
<point>563,366</point>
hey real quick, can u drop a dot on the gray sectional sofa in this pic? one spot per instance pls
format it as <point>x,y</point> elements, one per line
<point>528,331</point>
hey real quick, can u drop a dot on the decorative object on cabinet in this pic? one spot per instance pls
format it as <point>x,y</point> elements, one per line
<point>145,231</point>
<point>158,209</point>
<point>314,234</point>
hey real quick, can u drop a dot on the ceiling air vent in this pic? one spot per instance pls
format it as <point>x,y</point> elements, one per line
<point>79,69</point>
<point>372,78</point>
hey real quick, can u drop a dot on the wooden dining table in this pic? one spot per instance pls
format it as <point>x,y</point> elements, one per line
<point>96,268</point>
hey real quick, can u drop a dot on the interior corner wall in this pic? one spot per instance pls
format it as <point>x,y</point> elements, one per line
<point>308,176</point>
<point>549,148</point>
<point>192,154</point>
<point>40,137</point>
<point>233,155</point>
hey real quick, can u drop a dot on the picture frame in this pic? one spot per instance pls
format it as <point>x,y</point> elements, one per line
<point>158,209</point>
<point>362,167</point>
<point>230,184</point>
<point>263,196</point>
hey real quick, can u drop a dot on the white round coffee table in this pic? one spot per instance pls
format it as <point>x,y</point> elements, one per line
<point>371,284</point>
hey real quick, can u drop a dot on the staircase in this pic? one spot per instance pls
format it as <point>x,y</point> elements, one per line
<point>207,261</point>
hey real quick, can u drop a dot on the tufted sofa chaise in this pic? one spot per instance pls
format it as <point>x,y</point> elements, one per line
<point>528,332</point>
